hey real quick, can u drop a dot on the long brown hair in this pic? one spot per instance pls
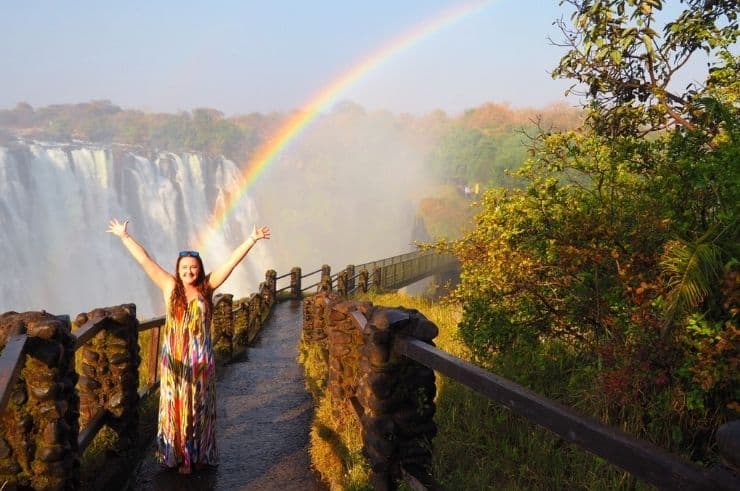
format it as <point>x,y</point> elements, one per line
<point>178,300</point>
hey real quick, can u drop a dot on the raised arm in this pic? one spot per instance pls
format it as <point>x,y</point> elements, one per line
<point>220,274</point>
<point>159,276</point>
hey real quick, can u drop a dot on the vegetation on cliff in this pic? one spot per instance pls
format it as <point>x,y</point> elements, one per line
<point>620,246</point>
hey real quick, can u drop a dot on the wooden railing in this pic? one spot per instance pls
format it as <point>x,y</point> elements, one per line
<point>398,335</point>
<point>640,458</point>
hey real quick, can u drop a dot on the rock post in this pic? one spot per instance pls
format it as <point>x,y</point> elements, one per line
<point>39,426</point>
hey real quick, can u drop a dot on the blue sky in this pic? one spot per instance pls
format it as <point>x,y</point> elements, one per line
<point>262,56</point>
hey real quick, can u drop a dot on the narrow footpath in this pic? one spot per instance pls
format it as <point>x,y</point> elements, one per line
<point>263,419</point>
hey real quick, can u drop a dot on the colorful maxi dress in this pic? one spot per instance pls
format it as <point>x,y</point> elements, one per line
<point>186,433</point>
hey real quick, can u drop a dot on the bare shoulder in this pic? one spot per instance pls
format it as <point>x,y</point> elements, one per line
<point>169,287</point>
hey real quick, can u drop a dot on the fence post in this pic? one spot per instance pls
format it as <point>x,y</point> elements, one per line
<point>254,309</point>
<point>342,283</point>
<point>295,282</point>
<point>110,372</point>
<point>271,280</point>
<point>397,395</point>
<point>264,291</point>
<point>222,327</point>
<point>350,269</point>
<point>363,281</point>
<point>376,279</point>
<point>39,426</point>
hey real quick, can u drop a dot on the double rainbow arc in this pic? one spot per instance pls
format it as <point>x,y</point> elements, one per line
<point>271,148</point>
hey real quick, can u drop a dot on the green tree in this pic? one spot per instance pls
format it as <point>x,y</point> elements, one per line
<point>620,247</point>
<point>627,63</point>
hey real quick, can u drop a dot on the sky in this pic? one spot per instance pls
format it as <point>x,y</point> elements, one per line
<point>263,56</point>
<point>257,56</point>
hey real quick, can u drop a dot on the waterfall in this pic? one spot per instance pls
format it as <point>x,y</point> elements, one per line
<point>55,203</point>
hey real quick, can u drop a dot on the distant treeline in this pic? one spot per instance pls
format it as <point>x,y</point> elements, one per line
<point>474,147</point>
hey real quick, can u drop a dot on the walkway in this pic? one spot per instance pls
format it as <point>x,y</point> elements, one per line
<point>263,420</point>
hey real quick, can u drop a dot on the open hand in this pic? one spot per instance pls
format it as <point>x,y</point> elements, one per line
<point>118,228</point>
<point>260,233</point>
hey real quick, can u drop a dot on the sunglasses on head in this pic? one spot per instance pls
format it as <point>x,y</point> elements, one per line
<point>189,254</point>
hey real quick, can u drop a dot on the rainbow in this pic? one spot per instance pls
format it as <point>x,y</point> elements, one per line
<point>271,148</point>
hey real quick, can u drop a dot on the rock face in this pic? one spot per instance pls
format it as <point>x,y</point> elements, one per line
<point>392,395</point>
<point>39,429</point>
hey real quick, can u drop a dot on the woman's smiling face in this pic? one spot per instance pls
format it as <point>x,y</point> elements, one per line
<point>189,270</point>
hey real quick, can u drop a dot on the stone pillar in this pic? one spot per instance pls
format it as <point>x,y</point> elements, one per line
<point>414,417</point>
<point>345,341</point>
<point>222,327</point>
<point>397,395</point>
<point>271,280</point>
<point>267,299</point>
<point>295,282</point>
<point>241,323</point>
<point>362,281</point>
<point>314,345</point>
<point>110,371</point>
<point>376,280</point>
<point>39,427</point>
<point>350,269</point>
<point>255,315</point>
<point>342,283</point>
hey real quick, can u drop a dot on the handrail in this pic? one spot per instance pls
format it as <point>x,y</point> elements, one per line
<point>10,366</point>
<point>311,273</point>
<point>282,276</point>
<point>152,323</point>
<point>88,330</point>
<point>638,457</point>
<point>239,308</point>
<point>310,286</point>
<point>93,427</point>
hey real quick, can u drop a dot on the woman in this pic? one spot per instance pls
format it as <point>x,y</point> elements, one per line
<point>187,395</point>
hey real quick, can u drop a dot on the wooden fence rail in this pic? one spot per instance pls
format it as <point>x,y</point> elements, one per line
<point>640,458</point>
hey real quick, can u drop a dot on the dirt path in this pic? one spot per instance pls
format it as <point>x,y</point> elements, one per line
<point>263,419</point>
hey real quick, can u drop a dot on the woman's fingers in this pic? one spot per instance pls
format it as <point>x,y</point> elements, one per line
<point>116,227</point>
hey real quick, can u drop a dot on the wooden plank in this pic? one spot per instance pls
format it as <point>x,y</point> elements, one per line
<point>640,458</point>
<point>88,330</point>
<point>152,323</point>
<point>11,362</point>
<point>92,429</point>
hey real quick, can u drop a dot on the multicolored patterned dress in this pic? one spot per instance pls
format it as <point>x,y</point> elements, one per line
<point>186,432</point>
